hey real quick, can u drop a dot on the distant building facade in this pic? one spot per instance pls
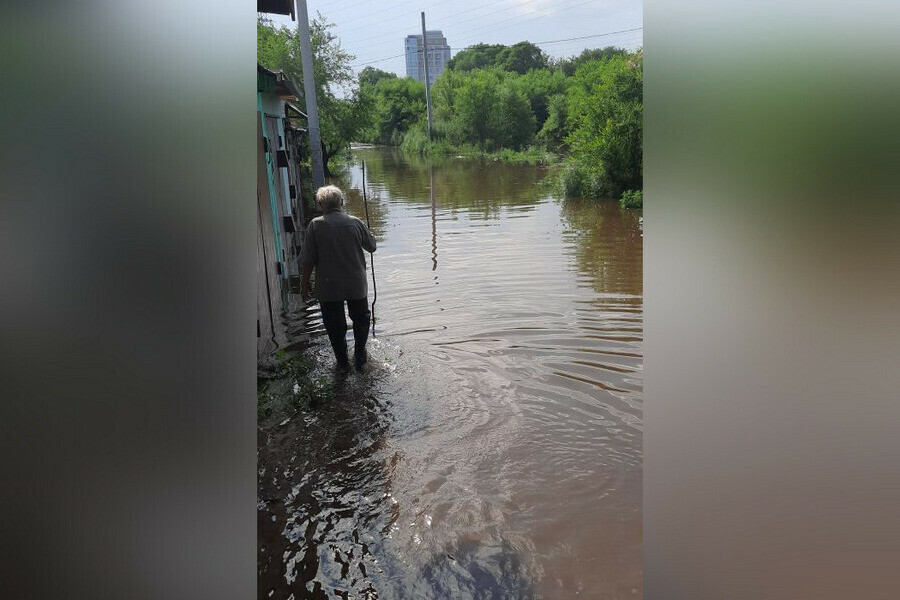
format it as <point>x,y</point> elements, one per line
<point>438,55</point>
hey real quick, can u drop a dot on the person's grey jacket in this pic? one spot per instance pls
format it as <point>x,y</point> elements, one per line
<point>334,246</point>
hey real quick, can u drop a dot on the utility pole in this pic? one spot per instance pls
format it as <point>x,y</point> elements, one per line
<point>309,90</point>
<point>427,78</point>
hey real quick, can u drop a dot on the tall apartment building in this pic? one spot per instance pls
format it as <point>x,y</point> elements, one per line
<point>438,54</point>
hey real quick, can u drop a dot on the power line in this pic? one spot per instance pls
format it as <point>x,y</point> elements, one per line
<point>372,62</point>
<point>509,21</point>
<point>586,37</point>
<point>377,12</point>
<point>482,16</point>
<point>446,17</point>
<point>489,30</point>
<point>442,20</point>
<point>480,30</point>
<point>406,12</point>
<point>583,37</point>
<point>340,8</point>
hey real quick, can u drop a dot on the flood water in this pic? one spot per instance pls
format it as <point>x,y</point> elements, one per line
<point>492,448</point>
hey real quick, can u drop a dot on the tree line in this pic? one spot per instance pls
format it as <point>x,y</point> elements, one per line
<point>512,101</point>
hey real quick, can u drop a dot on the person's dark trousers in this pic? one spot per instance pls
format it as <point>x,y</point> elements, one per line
<point>336,325</point>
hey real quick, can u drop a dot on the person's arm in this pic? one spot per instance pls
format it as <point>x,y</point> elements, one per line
<point>368,240</point>
<point>309,255</point>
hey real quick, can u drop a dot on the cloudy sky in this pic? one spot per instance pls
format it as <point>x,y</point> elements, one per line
<point>374,30</point>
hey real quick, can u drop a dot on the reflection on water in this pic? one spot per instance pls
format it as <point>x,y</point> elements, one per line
<point>493,448</point>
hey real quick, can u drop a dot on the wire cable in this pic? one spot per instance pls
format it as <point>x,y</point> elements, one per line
<point>583,37</point>
<point>440,20</point>
<point>481,30</point>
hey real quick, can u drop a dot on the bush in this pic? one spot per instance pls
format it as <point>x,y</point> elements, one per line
<point>605,118</point>
<point>532,155</point>
<point>579,182</point>
<point>632,199</point>
<point>415,140</point>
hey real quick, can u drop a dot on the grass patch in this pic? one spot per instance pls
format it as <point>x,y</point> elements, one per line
<point>291,385</point>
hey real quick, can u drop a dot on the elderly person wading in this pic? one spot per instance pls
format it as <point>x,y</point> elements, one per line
<point>334,247</point>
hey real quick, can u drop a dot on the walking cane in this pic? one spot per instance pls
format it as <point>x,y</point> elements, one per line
<point>371,256</point>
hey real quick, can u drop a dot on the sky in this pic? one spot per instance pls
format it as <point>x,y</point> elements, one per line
<point>374,30</point>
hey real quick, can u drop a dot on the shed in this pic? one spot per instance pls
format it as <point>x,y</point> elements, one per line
<point>280,213</point>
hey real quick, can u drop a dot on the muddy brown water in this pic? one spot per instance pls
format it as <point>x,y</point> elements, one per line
<point>492,448</point>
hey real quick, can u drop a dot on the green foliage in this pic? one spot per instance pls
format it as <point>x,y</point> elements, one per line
<point>540,85</point>
<point>479,56</point>
<point>515,120</point>
<point>518,58</point>
<point>533,155</point>
<point>489,104</point>
<point>568,66</point>
<point>578,181</point>
<point>341,118</point>
<point>605,118</point>
<point>632,199</point>
<point>398,105</point>
<point>278,48</point>
<point>371,76</point>
<point>444,94</point>
<point>522,57</point>
<point>485,107</point>
<point>416,141</point>
<point>554,131</point>
<point>476,102</point>
<point>293,384</point>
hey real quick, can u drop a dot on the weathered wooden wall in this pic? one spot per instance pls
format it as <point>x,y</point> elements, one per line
<point>268,281</point>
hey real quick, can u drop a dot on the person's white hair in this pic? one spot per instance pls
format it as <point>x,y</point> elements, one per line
<point>330,196</point>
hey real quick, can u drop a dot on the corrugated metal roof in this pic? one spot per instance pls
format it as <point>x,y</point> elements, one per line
<point>277,7</point>
<point>295,109</point>
<point>280,83</point>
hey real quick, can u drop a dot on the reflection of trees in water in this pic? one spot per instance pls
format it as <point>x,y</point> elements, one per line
<point>480,187</point>
<point>608,246</point>
<point>356,205</point>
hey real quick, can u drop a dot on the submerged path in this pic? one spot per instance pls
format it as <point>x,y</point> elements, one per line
<point>493,447</point>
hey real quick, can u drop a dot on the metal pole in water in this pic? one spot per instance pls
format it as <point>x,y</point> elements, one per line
<point>427,77</point>
<point>371,256</point>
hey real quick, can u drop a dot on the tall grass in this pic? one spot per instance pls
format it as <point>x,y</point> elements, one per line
<point>416,141</point>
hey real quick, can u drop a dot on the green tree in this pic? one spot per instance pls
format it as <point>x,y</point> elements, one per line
<point>444,100</point>
<point>371,76</point>
<point>444,93</point>
<point>518,58</point>
<point>522,57</point>
<point>554,130</point>
<point>479,56</point>
<point>278,48</point>
<point>606,119</point>
<point>515,120</point>
<point>400,105</point>
<point>540,85</point>
<point>569,65</point>
<point>476,106</point>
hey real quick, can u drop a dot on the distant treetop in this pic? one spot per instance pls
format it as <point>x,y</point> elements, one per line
<point>371,76</point>
<point>520,58</point>
<point>571,64</point>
